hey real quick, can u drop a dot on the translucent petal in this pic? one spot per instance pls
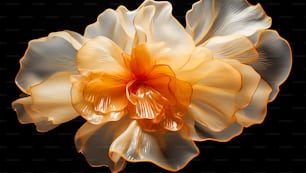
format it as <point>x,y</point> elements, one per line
<point>102,54</point>
<point>198,132</point>
<point>27,115</point>
<point>115,25</point>
<point>94,141</point>
<point>46,56</point>
<point>52,99</point>
<point>250,81</point>
<point>214,99</point>
<point>209,18</point>
<point>154,23</point>
<point>256,111</point>
<point>169,151</point>
<point>275,59</point>
<point>232,47</point>
<point>88,105</point>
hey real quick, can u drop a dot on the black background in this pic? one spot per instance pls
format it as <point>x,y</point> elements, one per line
<point>276,145</point>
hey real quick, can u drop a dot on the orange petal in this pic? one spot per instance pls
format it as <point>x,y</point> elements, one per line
<point>107,94</point>
<point>141,61</point>
<point>146,103</point>
<point>86,104</point>
<point>169,150</point>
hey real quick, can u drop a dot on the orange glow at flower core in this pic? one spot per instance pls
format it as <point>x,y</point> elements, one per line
<point>151,94</point>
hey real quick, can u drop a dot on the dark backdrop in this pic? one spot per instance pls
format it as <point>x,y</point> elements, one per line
<point>276,145</point>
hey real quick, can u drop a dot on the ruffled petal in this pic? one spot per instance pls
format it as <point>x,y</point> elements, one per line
<point>89,101</point>
<point>102,54</point>
<point>26,115</point>
<point>94,141</point>
<point>275,59</point>
<point>198,132</point>
<point>250,80</point>
<point>209,18</point>
<point>169,151</point>
<point>52,98</point>
<point>154,23</point>
<point>214,100</point>
<point>256,111</point>
<point>49,103</point>
<point>46,56</point>
<point>232,47</point>
<point>115,25</point>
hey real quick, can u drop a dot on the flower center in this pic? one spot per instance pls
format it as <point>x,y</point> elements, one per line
<point>157,100</point>
<point>149,92</point>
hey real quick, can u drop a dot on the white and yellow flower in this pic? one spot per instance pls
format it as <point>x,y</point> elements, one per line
<point>148,87</point>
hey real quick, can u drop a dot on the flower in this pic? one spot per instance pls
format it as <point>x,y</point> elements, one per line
<point>148,87</point>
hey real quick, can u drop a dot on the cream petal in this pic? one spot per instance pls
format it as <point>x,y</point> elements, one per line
<point>101,54</point>
<point>154,23</point>
<point>198,132</point>
<point>232,47</point>
<point>209,18</point>
<point>46,56</point>
<point>256,111</point>
<point>215,94</point>
<point>26,115</point>
<point>169,151</point>
<point>115,25</point>
<point>52,99</point>
<point>250,81</point>
<point>275,59</point>
<point>94,141</point>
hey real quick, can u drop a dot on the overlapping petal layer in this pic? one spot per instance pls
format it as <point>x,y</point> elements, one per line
<point>148,87</point>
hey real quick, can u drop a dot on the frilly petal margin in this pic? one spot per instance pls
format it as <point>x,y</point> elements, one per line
<point>169,151</point>
<point>275,59</point>
<point>256,111</point>
<point>209,18</point>
<point>115,25</point>
<point>93,141</point>
<point>46,56</point>
<point>49,104</point>
<point>26,115</point>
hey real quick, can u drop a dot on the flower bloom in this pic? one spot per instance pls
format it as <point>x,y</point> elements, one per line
<point>148,87</point>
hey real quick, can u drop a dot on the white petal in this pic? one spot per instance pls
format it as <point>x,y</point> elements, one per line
<point>198,132</point>
<point>169,151</point>
<point>46,56</point>
<point>209,18</point>
<point>94,141</point>
<point>115,25</point>
<point>232,47</point>
<point>275,59</point>
<point>52,98</point>
<point>101,54</point>
<point>26,115</point>
<point>154,23</point>
<point>256,111</point>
